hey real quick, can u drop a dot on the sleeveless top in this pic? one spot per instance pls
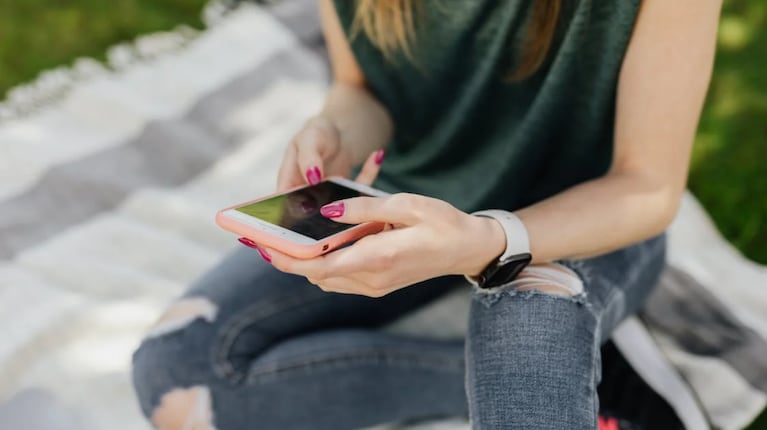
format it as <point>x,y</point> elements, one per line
<point>465,133</point>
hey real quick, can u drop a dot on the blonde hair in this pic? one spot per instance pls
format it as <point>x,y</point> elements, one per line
<point>390,26</point>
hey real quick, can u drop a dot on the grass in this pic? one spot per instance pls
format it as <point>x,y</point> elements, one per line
<point>729,165</point>
<point>40,34</point>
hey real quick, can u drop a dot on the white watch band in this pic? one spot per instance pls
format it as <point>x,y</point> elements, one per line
<point>517,239</point>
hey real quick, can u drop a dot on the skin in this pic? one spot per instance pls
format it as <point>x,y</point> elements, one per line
<point>661,89</point>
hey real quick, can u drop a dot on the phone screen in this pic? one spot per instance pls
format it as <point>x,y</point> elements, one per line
<point>299,210</point>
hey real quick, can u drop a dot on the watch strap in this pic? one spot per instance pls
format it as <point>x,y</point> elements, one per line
<point>517,239</point>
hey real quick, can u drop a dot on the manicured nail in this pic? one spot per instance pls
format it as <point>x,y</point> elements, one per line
<point>247,242</point>
<point>313,175</point>
<point>250,244</point>
<point>380,156</point>
<point>265,255</point>
<point>333,210</point>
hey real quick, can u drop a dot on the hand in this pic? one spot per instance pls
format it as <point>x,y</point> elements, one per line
<point>317,152</point>
<point>425,238</point>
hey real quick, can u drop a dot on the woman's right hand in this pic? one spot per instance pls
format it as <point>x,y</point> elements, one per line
<point>318,152</point>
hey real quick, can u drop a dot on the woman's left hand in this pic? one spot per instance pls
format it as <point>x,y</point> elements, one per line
<point>425,238</point>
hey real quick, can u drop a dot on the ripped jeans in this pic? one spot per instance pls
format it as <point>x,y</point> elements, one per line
<point>249,347</point>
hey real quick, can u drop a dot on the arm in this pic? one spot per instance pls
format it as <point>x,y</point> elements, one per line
<point>357,115</point>
<point>350,127</point>
<point>661,90</point>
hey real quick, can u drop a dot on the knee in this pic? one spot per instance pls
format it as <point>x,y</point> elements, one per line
<point>550,278</point>
<point>550,295</point>
<point>182,313</point>
<point>541,321</point>
<point>184,408</point>
<point>169,383</point>
<point>171,366</point>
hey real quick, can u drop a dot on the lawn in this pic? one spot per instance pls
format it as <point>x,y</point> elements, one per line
<point>729,166</point>
<point>39,34</point>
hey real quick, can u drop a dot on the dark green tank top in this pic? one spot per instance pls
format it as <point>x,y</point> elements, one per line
<point>465,134</point>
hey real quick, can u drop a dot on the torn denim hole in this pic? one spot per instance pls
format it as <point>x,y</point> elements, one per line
<point>181,313</point>
<point>185,409</point>
<point>580,267</point>
<point>551,279</point>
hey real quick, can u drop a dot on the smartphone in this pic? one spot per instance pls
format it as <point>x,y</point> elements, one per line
<point>291,223</point>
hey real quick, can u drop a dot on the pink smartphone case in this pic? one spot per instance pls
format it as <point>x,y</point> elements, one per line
<point>287,246</point>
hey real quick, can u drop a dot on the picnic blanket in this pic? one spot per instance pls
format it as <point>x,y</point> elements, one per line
<point>110,176</point>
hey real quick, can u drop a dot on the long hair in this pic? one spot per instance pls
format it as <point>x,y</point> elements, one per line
<point>390,26</point>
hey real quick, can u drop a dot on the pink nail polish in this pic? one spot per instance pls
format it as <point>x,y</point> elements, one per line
<point>333,210</point>
<point>250,244</point>
<point>380,156</point>
<point>313,175</point>
<point>247,242</point>
<point>264,254</point>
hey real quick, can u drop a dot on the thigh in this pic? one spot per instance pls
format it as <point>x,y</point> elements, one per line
<point>244,306</point>
<point>618,283</point>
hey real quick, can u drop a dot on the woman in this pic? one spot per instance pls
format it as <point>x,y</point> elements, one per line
<point>576,119</point>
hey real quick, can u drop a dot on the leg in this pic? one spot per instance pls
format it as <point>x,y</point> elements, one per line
<point>533,345</point>
<point>251,345</point>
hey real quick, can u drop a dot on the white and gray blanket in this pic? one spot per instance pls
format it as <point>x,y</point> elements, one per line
<point>110,178</point>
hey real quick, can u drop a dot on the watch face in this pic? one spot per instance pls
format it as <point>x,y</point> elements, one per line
<point>504,271</point>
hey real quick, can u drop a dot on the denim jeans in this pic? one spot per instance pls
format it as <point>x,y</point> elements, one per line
<point>271,351</point>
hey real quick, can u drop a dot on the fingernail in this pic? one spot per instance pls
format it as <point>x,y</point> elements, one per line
<point>313,175</point>
<point>333,210</point>
<point>250,244</point>
<point>247,242</point>
<point>265,255</point>
<point>380,156</point>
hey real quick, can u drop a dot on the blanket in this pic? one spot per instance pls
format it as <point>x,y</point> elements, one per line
<point>110,176</point>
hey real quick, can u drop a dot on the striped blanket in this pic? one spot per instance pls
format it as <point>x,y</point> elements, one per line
<point>110,177</point>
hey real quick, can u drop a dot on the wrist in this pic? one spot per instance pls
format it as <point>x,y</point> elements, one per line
<point>489,243</point>
<point>360,119</point>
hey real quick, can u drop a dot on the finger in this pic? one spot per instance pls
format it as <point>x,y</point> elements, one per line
<point>398,209</point>
<point>296,266</point>
<point>289,176</point>
<point>370,169</point>
<point>349,286</point>
<point>317,140</point>
<point>373,252</point>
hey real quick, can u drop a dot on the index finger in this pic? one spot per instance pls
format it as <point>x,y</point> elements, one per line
<point>394,209</point>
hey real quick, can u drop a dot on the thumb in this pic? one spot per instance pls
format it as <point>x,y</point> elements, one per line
<point>370,169</point>
<point>317,139</point>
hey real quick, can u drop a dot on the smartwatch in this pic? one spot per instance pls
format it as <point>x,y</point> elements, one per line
<point>514,259</point>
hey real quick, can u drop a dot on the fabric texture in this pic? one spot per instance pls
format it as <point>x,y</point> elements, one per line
<point>107,199</point>
<point>465,133</point>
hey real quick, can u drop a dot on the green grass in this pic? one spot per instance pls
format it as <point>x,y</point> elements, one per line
<point>729,166</point>
<point>39,34</point>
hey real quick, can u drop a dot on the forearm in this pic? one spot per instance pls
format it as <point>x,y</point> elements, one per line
<point>362,122</point>
<point>661,90</point>
<point>599,216</point>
